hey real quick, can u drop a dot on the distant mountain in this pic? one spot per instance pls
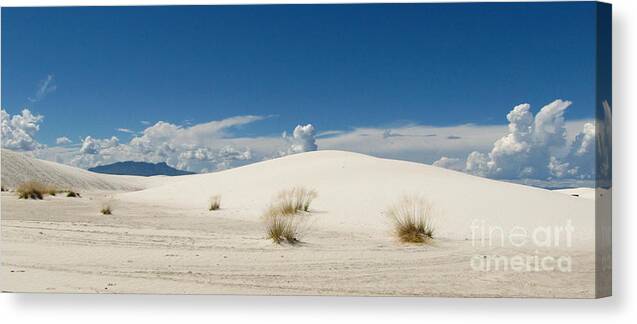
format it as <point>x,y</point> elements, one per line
<point>139,169</point>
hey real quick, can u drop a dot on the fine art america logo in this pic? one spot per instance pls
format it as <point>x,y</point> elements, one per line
<point>540,238</point>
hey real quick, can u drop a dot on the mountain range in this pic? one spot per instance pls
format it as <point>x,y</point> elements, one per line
<point>139,169</point>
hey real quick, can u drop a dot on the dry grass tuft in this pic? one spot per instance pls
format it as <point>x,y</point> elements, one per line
<point>290,202</point>
<point>284,217</point>
<point>34,190</point>
<point>71,193</point>
<point>106,210</point>
<point>215,202</point>
<point>282,228</point>
<point>412,219</point>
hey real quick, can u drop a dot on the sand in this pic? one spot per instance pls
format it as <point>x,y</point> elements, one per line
<point>586,193</point>
<point>162,239</point>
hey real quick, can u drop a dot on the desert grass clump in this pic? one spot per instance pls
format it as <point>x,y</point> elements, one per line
<point>290,202</point>
<point>34,190</point>
<point>282,228</point>
<point>215,202</point>
<point>106,210</point>
<point>412,220</point>
<point>74,194</point>
<point>284,217</point>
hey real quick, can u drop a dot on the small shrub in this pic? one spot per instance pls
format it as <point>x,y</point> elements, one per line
<point>412,220</point>
<point>34,190</point>
<point>106,210</point>
<point>215,202</point>
<point>73,194</point>
<point>289,202</point>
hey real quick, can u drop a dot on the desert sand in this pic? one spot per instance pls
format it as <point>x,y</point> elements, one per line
<point>161,238</point>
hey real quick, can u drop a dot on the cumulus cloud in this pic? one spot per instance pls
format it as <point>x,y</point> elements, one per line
<point>18,131</point>
<point>63,140</point>
<point>603,151</point>
<point>477,163</point>
<point>450,163</point>
<point>95,146</point>
<point>303,139</point>
<point>202,158</point>
<point>541,146</point>
<point>200,148</point>
<point>45,87</point>
<point>536,147</point>
<point>89,146</point>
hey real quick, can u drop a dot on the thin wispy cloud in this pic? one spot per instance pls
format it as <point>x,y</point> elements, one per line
<point>45,87</point>
<point>392,133</point>
<point>125,130</point>
<point>330,133</point>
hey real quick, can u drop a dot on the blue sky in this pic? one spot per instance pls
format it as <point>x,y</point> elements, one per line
<point>338,67</point>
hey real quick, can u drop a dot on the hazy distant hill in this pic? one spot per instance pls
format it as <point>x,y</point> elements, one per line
<point>139,169</point>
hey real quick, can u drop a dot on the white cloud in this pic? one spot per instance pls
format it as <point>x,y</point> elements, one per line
<point>330,133</point>
<point>95,146</point>
<point>200,148</point>
<point>201,159</point>
<point>63,140</point>
<point>537,147</point>
<point>18,131</point>
<point>450,163</point>
<point>89,146</point>
<point>303,139</point>
<point>419,143</point>
<point>477,163</point>
<point>523,148</point>
<point>45,86</point>
<point>125,130</point>
<point>584,141</point>
<point>604,154</point>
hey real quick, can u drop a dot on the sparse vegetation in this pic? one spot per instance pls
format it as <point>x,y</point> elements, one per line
<point>106,210</point>
<point>282,228</point>
<point>71,193</point>
<point>34,190</point>
<point>284,217</point>
<point>215,202</point>
<point>290,202</point>
<point>412,219</point>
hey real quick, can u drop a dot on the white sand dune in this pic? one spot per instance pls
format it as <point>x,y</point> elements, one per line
<point>586,193</point>
<point>18,168</point>
<point>162,239</point>
<point>355,189</point>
